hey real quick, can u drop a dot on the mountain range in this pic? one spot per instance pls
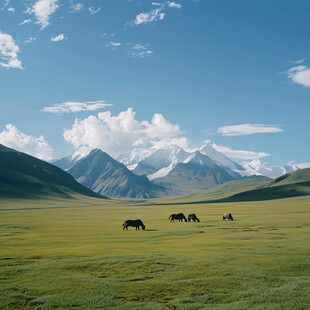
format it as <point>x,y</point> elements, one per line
<point>104,175</point>
<point>156,173</point>
<point>24,176</point>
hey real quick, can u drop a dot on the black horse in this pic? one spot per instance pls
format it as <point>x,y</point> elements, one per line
<point>133,223</point>
<point>193,217</point>
<point>180,217</point>
<point>227,216</point>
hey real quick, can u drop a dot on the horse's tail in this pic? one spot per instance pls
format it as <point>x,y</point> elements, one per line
<point>170,217</point>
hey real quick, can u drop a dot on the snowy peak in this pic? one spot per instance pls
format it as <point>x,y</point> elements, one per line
<point>200,159</point>
<point>256,167</point>
<point>219,157</point>
<point>166,157</point>
<point>132,159</point>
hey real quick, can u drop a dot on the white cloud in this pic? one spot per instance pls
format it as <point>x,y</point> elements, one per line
<point>31,39</point>
<point>11,9</point>
<point>156,14</point>
<point>121,133</point>
<point>152,16</point>
<point>26,21</point>
<point>38,147</point>
<point>9,52</point>
<point>6,3</point>
<point>73,107</point>
<point>175,5</point>
<point>140,50</point>
<point>139,47</point>
<point>300,75</point>
<point>76,7</point>
<point>113,44</point>
<point>43,9</point>
<point>93,11</point>
<point>247,129</point>
<point>239,154</point>
<point>60,37</point>
<point>142,54</point>
<point>297,62</point>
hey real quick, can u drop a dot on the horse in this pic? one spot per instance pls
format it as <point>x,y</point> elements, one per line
<point>193,217</point>
<point>180,217</point>
<point>227,216</point>
<point>133,223</point>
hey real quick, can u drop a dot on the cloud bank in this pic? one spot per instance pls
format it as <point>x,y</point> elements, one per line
<point>239,154</point>
<point>37,147</point>
<point>73,107</point>
<point>247,129</point>
<point>121,133</point>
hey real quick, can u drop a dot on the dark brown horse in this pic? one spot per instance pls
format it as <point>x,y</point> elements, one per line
<point>193,217</point>
<point>180,217</point>
<point>227,216</point>
<point>133,223</point>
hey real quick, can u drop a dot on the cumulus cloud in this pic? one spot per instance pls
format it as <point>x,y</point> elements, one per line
<point>149,17</point>
<point>73,107</point>
<point>156,14</point>
<point>299,75</point>
<point>239,154</point>
<point>93,11</point>
<point>174,5</point>
<point>11,9</point>
<point>60,37</point>
<point>26,21</point>
<point>9,51</point>
<point>121,133</point>
<point>43,9</point>
<point>247,129</point>
<point>37,147</point>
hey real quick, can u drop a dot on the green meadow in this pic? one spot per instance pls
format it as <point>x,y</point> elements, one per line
<point>73,254</point>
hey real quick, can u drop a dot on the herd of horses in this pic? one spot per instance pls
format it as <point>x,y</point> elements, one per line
<point>180,217</point>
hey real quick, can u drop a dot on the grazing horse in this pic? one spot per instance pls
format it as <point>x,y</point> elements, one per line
<point>180,217</point>
<point>193,217</point>
<point>227,216</point>
<point>133,223</point>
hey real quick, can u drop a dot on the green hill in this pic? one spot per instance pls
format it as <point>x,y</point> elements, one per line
<point>293,184</point>
<point>24,176</point>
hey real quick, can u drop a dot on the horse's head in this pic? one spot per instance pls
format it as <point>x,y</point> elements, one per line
<point>143,227</point>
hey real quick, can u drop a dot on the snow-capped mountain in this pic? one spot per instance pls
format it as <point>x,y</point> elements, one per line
<point>256,167</point>
<point>104,175</point>
<point>220,158</point>
<point>161,162</point>
<point>132,159</point>
<point>197,172</point>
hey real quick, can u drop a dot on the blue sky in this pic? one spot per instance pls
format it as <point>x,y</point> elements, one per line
<point>232,73</point>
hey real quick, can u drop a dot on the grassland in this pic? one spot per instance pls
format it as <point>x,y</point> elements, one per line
<point>73,254</point>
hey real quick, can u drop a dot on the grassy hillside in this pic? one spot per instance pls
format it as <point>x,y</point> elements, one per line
<point>253,189</point>
<point>299,176</point>
<point>25,176</point>
<point>60,254</point>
